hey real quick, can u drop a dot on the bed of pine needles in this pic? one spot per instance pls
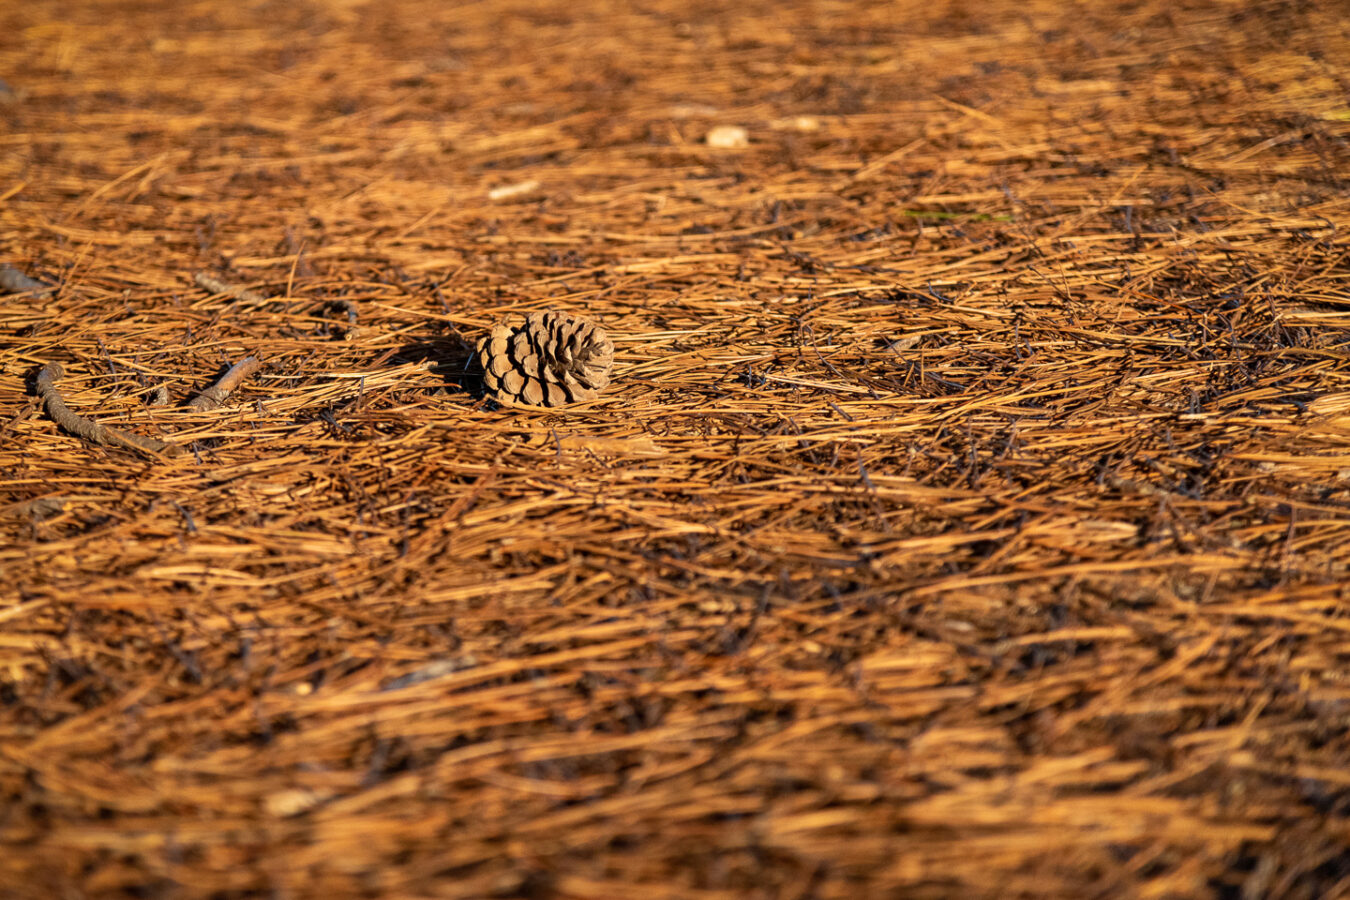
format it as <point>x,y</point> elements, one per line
<point>969,516</point>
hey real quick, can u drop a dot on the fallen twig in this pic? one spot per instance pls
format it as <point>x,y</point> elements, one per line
<point>216,286</point>
<point>42,507</point>
<point>512,191</point>
<point>86,428</point>
<point>16,282</point>
<point>216,393</point>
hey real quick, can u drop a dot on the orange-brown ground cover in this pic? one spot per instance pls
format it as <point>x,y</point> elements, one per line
<point>969,516</point>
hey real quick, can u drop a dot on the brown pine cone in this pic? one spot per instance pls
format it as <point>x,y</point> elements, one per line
<point>552,359</point>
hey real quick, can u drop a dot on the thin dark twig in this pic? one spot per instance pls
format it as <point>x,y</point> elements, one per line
<point>216,393</point>
<point>16,282</point>
<point>216,286</point>
<point>89,430</point>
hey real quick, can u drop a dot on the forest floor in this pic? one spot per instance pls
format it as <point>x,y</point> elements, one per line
<point>969,515</point>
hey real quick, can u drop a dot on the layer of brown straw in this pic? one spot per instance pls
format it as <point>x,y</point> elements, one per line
<point>969,515</point>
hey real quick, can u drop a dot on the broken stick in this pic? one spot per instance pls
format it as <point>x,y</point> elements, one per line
<point>216,286</point>
<point>16,282</point>
<point>89,430</point>
<point>216,393</point>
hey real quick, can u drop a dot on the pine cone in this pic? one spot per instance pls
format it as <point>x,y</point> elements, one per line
<point>552,359</point>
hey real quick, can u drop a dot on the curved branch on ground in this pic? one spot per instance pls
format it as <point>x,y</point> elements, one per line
<point>87,428</point>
